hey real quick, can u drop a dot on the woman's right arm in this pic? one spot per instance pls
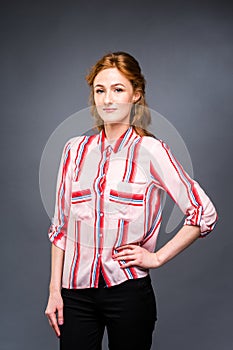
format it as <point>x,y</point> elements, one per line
<point>57,235</point>
<point>54,310</point>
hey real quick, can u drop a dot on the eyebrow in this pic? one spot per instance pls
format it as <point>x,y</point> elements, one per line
<point>117,84</point>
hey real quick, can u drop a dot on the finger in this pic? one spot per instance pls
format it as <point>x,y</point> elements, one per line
<point>125,257</point>
<point>128,264</point>
<point>60,318</point>
<point>57,330</point>
<point>126,246</point>
<point>123,252</point>
<point>53,323</point>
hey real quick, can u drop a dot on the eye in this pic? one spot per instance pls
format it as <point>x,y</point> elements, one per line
<point>118,89</point>
<point>99,91</point>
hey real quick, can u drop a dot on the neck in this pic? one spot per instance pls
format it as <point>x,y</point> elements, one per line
<point>114,131</point>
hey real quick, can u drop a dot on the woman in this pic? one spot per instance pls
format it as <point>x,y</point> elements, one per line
<point>108,215</point>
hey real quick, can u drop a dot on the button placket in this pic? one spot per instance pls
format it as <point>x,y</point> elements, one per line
<point>102,181</point>
<point>101,190</point>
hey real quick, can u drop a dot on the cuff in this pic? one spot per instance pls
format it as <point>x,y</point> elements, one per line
<point>57,237</point>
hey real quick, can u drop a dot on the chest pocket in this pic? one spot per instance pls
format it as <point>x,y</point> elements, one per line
<point>127,201</point>
<point>81,202</point>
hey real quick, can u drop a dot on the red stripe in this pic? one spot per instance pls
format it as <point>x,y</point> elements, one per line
<point>126,203</point>
<point>97,273</point>
<point>158,178</point>
<point>123,241</point>
<point>60,234</point>
<point>102,186</point>
<point>117,236</point>
<point>135,157</point>
<point>108,282</point>
<point>126,165</point>
<point>119,141</point>
<point>81,193</point>
<point>181,169</point>
<point>152,233</point>
<point>92,265</point>
<point>101,219</point>
<point>198,199</point>
<point>148,214</point>
<point>64,172</point>
<point>78,228</point>
<point>127,195</point>
<point>77,153</point>
<point>102,141</point>
<point>133,271</point>
<point>84,153</point>
<point>76,258</point>
<point>117,144</point>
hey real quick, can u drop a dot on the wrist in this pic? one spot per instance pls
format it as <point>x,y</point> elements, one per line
<point>157,261</point>
<point>54,289</point>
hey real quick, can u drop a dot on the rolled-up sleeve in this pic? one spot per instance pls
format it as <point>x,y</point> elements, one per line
<point>58,229</point>
<point>168,174</point>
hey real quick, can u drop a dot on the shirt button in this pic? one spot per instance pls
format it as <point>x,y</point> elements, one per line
<point>101,214</point>
<point>99,254</point>
<point>101,193</point>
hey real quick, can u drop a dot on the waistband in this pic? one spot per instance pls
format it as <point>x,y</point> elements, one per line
<point>134,281</point>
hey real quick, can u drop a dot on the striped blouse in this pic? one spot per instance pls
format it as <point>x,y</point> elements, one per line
<point>109,195</point>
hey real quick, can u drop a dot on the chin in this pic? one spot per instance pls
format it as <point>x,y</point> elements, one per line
<point>115,121</point>
<point>123,119</point>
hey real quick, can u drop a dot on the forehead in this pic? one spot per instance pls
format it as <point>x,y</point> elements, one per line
<point>110,76</point>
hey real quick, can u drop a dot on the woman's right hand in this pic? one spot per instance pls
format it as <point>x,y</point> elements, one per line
<point>54,311</point>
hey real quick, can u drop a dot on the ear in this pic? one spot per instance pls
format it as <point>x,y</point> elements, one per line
<point>137,96</point>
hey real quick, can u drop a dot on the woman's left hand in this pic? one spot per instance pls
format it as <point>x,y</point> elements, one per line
<point>134,255</point>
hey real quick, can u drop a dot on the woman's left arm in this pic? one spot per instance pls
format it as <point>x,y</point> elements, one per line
<point>135,255</point>
<point>201,216</point>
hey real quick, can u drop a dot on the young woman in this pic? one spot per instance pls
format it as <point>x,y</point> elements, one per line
<point>108,215</point>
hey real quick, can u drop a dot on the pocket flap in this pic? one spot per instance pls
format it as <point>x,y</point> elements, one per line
<point>80,195</point>
<point>128,193</point>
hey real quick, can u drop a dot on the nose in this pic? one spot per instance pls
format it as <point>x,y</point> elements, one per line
<point>107,97</point>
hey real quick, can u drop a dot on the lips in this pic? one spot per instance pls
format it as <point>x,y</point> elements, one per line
<point>109,110</point>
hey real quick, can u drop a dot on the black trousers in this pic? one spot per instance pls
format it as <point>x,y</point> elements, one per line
<point>127,310</point>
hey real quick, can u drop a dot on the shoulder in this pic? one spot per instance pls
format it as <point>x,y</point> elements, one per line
<point>73,143</point>
<point>153,143</point>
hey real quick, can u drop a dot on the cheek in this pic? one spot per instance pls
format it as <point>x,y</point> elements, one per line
<point>95,98</point>
<point>128,98</point>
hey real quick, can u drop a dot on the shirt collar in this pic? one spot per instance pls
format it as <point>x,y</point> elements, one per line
<point>128,136</point>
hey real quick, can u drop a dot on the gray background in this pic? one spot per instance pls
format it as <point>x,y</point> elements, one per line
<point>185,50</point>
